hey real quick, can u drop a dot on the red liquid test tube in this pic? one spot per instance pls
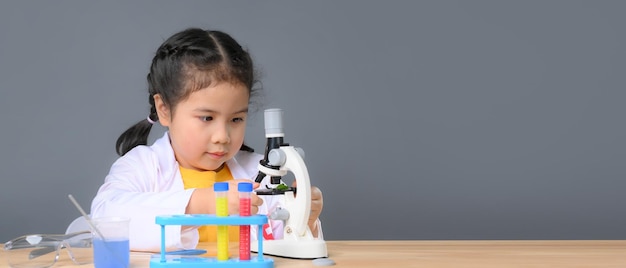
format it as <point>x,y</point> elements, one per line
<point>245,192</point>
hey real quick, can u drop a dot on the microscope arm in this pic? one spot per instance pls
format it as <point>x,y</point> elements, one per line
<point>298,206</point>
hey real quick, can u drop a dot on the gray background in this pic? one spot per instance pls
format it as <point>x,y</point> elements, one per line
<point>420,119</point>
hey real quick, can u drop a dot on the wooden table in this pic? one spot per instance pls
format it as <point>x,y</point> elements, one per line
<point>566,253</point>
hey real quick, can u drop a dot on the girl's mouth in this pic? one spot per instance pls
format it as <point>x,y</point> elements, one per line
<point>217,155</point>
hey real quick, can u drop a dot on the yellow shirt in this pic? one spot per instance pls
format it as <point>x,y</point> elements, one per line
<point>205,179</point>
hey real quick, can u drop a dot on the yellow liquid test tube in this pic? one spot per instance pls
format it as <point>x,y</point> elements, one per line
<point>221,210</point>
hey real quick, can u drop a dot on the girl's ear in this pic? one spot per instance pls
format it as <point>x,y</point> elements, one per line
<point>163,111</point>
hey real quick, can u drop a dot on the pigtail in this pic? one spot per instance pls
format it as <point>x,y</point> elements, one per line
<point>135,135</point>
<point>138,133</point>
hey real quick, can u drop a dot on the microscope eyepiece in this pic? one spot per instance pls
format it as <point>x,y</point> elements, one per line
<point>274,123</point>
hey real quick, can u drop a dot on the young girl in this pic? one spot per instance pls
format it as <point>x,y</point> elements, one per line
<point>200,83</point>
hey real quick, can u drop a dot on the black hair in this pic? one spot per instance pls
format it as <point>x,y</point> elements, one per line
<point>186,62</point>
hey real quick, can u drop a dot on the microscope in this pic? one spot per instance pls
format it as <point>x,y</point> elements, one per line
<point>280,158</point>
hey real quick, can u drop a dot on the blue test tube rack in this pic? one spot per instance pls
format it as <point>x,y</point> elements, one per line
<point>163,260</point>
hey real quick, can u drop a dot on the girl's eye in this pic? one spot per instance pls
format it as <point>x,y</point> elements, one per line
<point>206,118</point>
<point>238,119</point>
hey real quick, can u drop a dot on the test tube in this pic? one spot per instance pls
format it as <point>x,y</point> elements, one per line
<point>221,210</point>
<point>245,191</point>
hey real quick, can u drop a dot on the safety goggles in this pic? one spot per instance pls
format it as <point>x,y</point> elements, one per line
<point>43,250</point>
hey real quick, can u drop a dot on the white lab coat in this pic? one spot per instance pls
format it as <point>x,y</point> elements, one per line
<point>146,182</point>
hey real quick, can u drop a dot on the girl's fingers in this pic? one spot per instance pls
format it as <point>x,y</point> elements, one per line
<point>256,201</point>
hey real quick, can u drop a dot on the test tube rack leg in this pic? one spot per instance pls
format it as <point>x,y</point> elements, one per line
<point>163,260</point>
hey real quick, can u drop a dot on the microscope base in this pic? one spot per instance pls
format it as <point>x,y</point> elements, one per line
<point>302,249</point>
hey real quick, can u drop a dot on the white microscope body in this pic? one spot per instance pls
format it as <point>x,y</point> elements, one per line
<point>280,158</point>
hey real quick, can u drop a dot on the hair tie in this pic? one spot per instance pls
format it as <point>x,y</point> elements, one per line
<point>150,120</point>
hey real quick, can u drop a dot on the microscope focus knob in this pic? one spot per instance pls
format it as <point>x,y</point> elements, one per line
<point>279,214</point>
<point>276,157</point>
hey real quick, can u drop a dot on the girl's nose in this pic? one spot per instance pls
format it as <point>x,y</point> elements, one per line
<point>221,135</point>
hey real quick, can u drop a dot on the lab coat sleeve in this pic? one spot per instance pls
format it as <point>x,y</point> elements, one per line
<point>134,188</point>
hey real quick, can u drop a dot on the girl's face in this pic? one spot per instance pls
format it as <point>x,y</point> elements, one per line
<point>208,128</point>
